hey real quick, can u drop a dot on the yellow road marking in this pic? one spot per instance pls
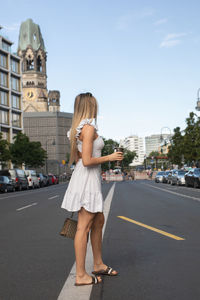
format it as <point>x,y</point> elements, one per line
<point>152,228</point>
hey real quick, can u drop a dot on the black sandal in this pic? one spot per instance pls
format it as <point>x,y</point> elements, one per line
<point>108,271</point>
<point>94,281</point>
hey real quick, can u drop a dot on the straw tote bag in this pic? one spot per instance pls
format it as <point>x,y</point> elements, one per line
<point>69,227</point>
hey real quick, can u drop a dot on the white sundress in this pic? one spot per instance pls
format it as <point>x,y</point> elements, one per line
<point>84,189</point>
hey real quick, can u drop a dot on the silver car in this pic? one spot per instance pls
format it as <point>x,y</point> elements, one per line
<point>159,176</point>
<point>178,177</point>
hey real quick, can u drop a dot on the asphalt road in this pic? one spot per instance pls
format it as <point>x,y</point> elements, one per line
<point>35,261</point>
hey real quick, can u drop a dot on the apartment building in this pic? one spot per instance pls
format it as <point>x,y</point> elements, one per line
<point>135,143</point>
<point>153,142</point>
<point>11,121</point>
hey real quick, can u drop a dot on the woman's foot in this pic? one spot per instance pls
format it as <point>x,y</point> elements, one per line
<point>86,279</point>
<point>103,269</point>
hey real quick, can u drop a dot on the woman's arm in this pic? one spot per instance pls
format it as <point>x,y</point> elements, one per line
<point>88,134</point>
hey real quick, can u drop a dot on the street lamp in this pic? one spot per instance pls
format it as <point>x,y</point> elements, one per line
<point>161,134</point>
<point>53,143</point>
<point>198,100</point>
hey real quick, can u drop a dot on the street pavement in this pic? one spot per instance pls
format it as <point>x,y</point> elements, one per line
<point>151,238</point>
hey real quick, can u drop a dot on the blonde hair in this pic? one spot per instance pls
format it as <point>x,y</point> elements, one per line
<point>85,107</point>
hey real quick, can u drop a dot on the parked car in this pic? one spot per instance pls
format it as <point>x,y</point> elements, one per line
<point>33,181</point>
<point>169,178</point>
<point>178,177</point>
<point>52,179</point>
<point>56,179</point>
<point>47,179</point>
<point>165,177</point>
<point>159,176</point>
<point>42,179</point>
<point>6,184</point>
<point>192,178</point>
<point>18,176</point>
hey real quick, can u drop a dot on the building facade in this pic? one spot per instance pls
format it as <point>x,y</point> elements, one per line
<point>153,142</point>
<point>11,120</point>
<point>50,128</point>
<point>135,143</point>
<point>43,120</point>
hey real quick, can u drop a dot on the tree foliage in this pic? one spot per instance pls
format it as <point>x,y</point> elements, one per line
<point>128,157</point>
<point>185,146</point>
<point>154,154</point>
<point>109,149</point>
<point>25,152</point>
<point>176,148</point>
<point>4,151</point>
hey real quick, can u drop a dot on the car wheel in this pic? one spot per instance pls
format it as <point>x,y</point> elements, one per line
<point>196,185</point>
<point>6,190</point>
<point>186,184</point>
<point>33,186</point>
<point>20,187</point>
<point>13,189</point>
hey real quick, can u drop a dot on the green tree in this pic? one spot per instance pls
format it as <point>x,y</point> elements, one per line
<point>37,155</point>
<point>192,139</point>
<point>108,149</point>
<point>154,154</point>
<point>176,149</point>
<point>128,157</point>
<point>25,152</point>
<point>4,151</point>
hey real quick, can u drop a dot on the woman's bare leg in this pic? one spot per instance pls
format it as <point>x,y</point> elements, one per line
<point>96,238</point>
<point>96,241</point>
<point>85,219</point>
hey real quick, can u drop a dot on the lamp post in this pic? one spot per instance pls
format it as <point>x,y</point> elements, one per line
<point>53,143</point>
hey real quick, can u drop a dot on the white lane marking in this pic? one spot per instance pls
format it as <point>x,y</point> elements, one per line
<point>168,191</point>
<point>53,197</point>
<point>20,194</point>
<point>26,206</point>
<point>71,292</point>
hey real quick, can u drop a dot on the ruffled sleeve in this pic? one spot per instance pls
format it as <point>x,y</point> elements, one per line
<point>84,122</point>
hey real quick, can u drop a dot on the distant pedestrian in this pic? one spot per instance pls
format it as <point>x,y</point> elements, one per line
<point>84,190</point>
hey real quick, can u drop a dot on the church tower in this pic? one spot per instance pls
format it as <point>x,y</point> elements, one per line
<point>54,101</point>
<point>34,78</point>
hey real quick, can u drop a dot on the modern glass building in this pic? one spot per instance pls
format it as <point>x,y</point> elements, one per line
<point>11,120</point>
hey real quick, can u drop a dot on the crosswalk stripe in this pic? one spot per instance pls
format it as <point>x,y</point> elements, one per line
<point>71,292</point>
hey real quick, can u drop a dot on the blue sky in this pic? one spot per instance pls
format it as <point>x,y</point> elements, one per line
<point>139,58</point>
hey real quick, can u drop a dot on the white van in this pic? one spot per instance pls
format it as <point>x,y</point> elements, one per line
<point>33,181</point>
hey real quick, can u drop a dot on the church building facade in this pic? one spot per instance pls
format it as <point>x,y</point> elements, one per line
<point>43,120</point>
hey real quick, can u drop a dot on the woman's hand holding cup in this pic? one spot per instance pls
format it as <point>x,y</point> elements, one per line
<point>116,156</point>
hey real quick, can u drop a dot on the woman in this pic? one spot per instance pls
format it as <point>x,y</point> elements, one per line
<point>84,190</point>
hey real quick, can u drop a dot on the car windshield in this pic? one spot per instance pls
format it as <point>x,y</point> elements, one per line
<point>1,178</point>
<point>181,172</point>
<point>161,173</point>
<point>167,172</point>
<point>12,173</point>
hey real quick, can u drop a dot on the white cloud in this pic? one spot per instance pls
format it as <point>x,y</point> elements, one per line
<point>126,20</point>
<point>172,39</point>
<point>160,22</point>
<point>168,44</point>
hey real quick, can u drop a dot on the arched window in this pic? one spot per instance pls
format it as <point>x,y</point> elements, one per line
<point>30,63</point>
<point>39,64</point>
